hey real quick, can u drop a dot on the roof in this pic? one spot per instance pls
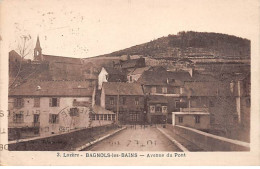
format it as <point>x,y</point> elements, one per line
<point>62,59</point>
<point>100,110</point>
<point>191,113</point>
<point>202,78</point>
<point>53,88</point>
<point>161,78</point>
<point>131,63</point>
<point>157,99</point>
<point>138,70</point>
<point>111,88</point>
<point>113,71</point>
<point>206,89</point>
<point>38,46</point>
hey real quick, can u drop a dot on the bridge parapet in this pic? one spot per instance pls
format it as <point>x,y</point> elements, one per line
<point>210,142</point>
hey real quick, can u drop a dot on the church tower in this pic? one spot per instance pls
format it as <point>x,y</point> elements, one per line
<point>38,51</point>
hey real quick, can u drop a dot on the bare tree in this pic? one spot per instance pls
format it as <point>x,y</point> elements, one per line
<point>24,49</point>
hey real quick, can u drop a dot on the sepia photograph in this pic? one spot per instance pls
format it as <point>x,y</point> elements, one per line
<point>128,79</point>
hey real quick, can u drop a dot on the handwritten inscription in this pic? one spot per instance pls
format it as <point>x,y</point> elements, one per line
<point>134,143</point>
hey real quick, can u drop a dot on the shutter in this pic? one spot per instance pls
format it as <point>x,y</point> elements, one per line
<point>49,118</point>
<point>50,101</point>
<point>22,102</point>
<point>15,102</point>
<point>57,120</point>
<point>58,102</point>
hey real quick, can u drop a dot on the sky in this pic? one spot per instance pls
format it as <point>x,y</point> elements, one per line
<point>84,28</point>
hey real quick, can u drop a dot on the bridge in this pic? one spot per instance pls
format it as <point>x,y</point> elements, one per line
<point>132,138</point>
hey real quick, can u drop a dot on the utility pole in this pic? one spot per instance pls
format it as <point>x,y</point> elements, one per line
<point>117,105</point>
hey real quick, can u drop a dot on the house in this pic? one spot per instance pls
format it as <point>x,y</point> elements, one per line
<point>206,104</point>
<point>135,74</point>
<point>159,82</point>
<point>130,63</point>
<point>108,74</point>
<point>157,109</point>
<point>125,99</point>
<point>14,57</point>
<point>42,108</point>
<point>99,116</point>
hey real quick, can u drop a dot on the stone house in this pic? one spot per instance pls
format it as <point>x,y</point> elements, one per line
<point>124,99</point>
<point>42,108</point>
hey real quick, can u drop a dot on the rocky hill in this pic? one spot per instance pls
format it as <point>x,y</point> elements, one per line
<point>191,44</point>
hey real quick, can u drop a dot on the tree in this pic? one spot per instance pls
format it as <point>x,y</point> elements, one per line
<point>23,49</point>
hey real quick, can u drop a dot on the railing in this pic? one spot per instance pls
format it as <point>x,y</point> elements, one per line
<point>194,109</point>
<point>23,124</point>
<point>165,94</point>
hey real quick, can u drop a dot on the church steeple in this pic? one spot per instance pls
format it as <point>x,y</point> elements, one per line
<point>38,50</point>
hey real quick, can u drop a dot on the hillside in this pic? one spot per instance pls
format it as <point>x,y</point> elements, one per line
<point>191,44</point>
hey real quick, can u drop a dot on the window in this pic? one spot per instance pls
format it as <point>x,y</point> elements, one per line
<point>211,103</point>
<point>109,117</point>
<point>92,117</point>
<point>97,117</point>
<point>136,101</point>
<point>113,117</point>
<point>54,102</point>
<point>164,109</point>
<point>153,90</point>
<point>18,102</point>
<point>177,104</point>
<point>18,118</point>
<point>111,101</point>
<point>158,109</point>
<point>248,102</point>
<point>105,116</point>
<point>101,117</point>
<point>74,112</point>
<point>197,119</point>
<point>36,118</point>
<point>152,109</point>
<point>131,79</point>
<point>124,100</point>
<point>53,118</point>
<point>134,117</point>
<point>164,90</point>
<point>180,119</point>
<point>37,102</point>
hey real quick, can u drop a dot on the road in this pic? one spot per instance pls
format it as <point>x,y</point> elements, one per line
<point>136,139</point>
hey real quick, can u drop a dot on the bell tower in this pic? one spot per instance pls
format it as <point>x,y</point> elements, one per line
<point>38,51</point>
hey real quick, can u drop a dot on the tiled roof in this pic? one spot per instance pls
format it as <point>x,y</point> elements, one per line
<point>138,70</point>
<point>160,78</point>
<point>156,99</point>
<point>53,88</point>
<point>113,71</point>
<point>206,89</point>
<point>131,63</point>
<point>61,59</point>
<point>111,88</point>
<point>100,110</point>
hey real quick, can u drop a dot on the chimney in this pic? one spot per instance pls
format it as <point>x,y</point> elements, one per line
<point>191,72</point>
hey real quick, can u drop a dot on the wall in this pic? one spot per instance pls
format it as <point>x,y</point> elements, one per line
<point>126,110</point>
<point>64,142</point>
<point>129,104</point>
<point>189,121</point>
<point>135,77</point>
<point>102,78</point>
<point>210,142</point>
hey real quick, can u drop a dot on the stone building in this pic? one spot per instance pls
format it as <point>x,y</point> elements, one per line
<point>125,99</point>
